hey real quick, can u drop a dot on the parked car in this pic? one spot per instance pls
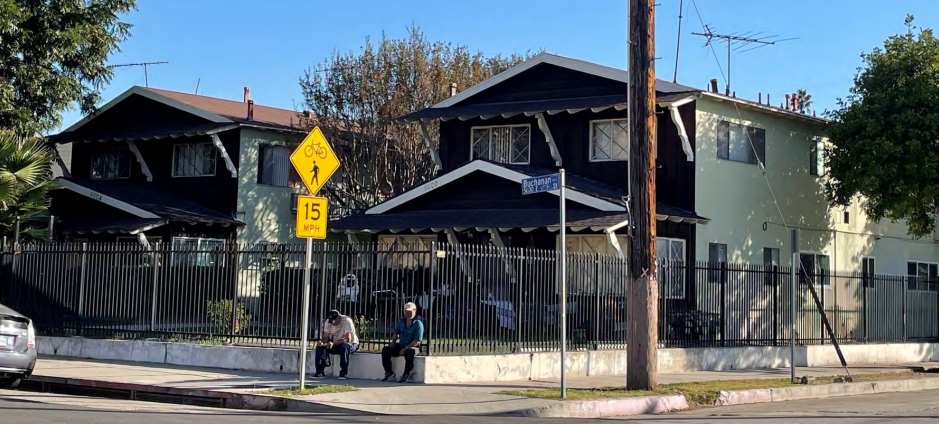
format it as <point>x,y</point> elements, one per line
<point>17,347</point>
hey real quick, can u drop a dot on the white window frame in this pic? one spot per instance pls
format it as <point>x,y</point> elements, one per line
<point>472,150</point>
<point>750,147</point>
<point>193,146</point>
<point>590,146</point>
<point>200,255</point>
<point>817,156</point>
<point>130,162</point>
<point>920,262</point>
<point>817,253</point>
<point>680,292</point>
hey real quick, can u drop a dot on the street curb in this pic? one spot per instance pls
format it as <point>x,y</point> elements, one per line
<point>216,398</point>
<point>782,394</point>
<point>608,407</point>
<point>663,404</point>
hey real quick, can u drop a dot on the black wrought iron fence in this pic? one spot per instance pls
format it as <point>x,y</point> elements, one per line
<point>471,299</point>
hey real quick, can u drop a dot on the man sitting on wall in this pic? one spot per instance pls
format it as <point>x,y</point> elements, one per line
<point>339,338</point>
<point>406,342</point>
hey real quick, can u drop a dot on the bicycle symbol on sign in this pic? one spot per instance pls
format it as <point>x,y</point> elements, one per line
<point>315,148</point>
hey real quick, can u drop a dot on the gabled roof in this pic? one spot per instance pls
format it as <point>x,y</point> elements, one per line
<point>615,74</point>
<point>595,195</point>
<point>236,110</point>
<point>605,207</point>
<point>214,110</point>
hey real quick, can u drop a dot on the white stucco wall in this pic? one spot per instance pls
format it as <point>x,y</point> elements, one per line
<point>265,209</point>
<point>737,199</point>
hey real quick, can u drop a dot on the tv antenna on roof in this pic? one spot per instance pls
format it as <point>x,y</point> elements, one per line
<point>146,76</point>
<point>742,42</point>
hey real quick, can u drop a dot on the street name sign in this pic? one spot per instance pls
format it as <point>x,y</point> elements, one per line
<point>541,184</point>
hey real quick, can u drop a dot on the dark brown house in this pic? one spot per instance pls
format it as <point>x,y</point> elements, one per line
<point>158,165</point>
<point>544,114</point>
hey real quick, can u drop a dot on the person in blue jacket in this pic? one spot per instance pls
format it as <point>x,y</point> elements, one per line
<point>406,342</point>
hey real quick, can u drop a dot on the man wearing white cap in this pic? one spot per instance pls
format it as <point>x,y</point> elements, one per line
<point>406,342</point>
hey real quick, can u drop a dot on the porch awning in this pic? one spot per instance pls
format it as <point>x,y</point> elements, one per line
<point>141,133</point>
<point>500,219</point>
<point>147,202</point>
<point>550,106</point>
<point>97,225</point>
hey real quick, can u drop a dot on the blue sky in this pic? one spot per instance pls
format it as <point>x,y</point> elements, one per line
<point>230,44</point>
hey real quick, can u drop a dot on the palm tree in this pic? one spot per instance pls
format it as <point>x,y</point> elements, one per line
<point>805,100</point>
<point>25,183</point>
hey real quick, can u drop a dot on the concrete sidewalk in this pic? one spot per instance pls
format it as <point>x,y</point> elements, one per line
<point>374,396</point>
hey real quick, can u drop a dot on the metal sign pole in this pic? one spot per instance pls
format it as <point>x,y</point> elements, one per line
<point>563,278</point>
<point>794,239</point>
<point>305,326</point>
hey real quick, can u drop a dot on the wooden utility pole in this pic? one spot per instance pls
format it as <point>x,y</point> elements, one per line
<point>642,303</point>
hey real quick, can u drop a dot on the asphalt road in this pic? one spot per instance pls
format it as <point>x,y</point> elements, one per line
<point>42,408</point>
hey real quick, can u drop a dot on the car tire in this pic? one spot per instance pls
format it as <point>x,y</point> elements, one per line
<point>10,383</point>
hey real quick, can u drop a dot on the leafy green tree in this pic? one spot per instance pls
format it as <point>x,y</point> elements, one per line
<point>25,182</point>
<point>52,57</point>
<point>355,96</point>
<point>885,135</point>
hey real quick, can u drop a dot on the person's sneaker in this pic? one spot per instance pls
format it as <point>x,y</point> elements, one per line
<point>319,374</point>
<point>342,376</point>
<point>388,376</point>
<point>405,378</point>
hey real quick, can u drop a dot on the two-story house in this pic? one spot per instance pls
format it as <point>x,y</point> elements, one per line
<point>157,165</point>
<point>715,201</point>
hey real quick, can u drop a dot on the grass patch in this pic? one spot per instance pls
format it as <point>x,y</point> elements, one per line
<point>697,393</point>
<point>314,390</point>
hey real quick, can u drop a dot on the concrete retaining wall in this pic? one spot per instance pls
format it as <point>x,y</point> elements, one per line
<point>361,366</point>
<point>465,369</point>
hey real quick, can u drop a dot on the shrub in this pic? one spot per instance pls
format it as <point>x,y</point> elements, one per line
<point>220,314</point>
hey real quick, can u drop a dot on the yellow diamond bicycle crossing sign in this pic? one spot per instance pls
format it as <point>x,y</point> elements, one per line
<point>314,161</point>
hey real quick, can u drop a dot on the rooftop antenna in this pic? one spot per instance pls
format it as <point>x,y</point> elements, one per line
<point>681,6</point>
<point>742,42</point>
<point>199,81</point>
<point>145,65</point>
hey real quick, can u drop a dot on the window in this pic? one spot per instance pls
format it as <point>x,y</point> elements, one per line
<point>194,160</point>
<point>867,271</point>
<point>717,255</point>
<point>817,159</point>
<point>737,143</point>
<point>922,275</point>
<point>770,264</point>
<point>815,268</point>
<point>609,140</point>
<point>847,217</point>
<point>671,256</point>
<point>503,144</point>
<point>110,163</point>
<point>274,166</point>
<point>197,251</point>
